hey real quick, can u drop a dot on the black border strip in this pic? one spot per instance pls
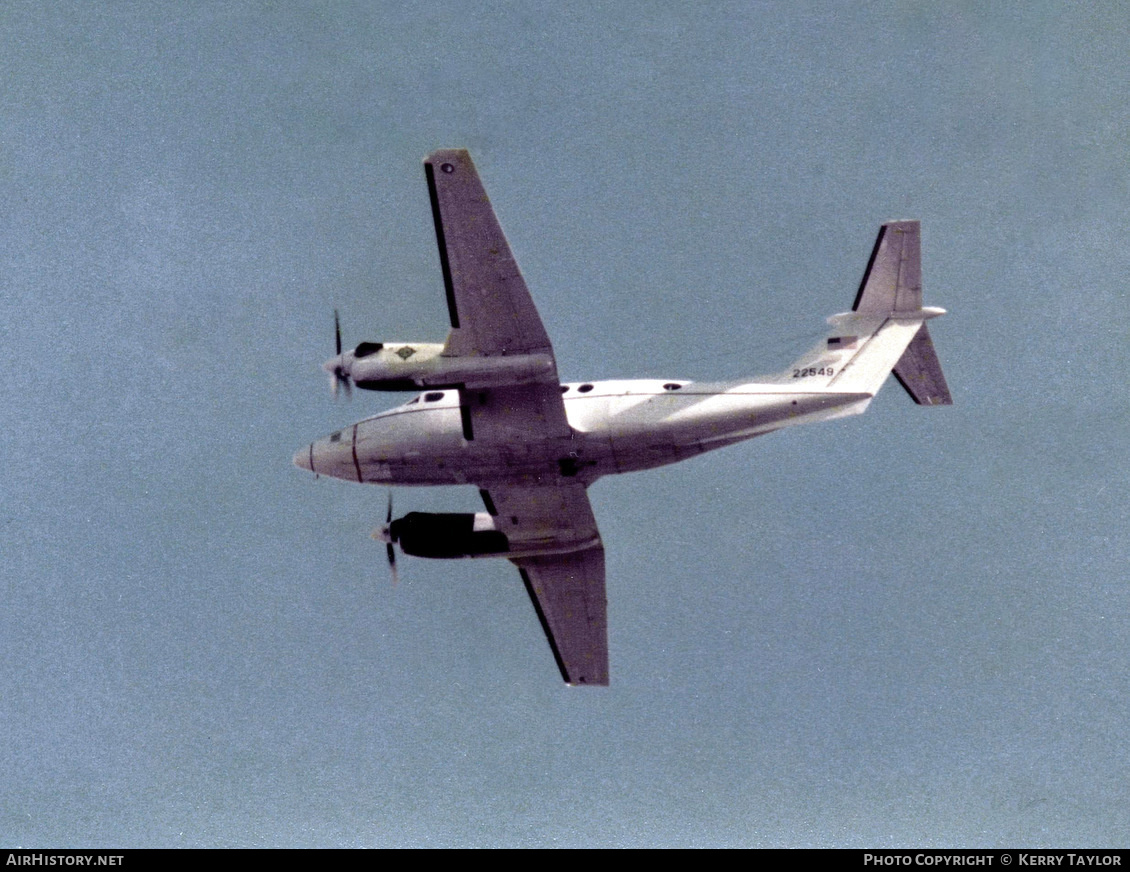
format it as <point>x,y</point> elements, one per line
<point>917,857</point>
<point>441,240</point>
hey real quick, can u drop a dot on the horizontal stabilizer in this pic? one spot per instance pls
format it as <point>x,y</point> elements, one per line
<point>919,371</point>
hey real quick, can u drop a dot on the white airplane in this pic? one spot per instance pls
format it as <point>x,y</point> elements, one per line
<point>493,412</point>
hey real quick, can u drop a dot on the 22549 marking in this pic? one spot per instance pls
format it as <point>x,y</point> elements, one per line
<point>810,371</point>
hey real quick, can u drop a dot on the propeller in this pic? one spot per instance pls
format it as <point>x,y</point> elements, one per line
<point>384,534</point>
<point>338,376</point>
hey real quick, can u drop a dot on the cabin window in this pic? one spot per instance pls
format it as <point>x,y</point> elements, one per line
<point>564,389</point>
<point>336,437</point>
<point>584,389</point>
<point>431,398</point>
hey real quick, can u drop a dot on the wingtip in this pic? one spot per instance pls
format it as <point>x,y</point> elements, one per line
<point>583,683</point>
<point>593,679</point>
<point>441,154</point>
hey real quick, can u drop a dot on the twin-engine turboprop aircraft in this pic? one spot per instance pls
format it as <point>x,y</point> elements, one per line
<point>493,412</point>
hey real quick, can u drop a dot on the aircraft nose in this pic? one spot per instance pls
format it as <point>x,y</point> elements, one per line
<point>304,458</point>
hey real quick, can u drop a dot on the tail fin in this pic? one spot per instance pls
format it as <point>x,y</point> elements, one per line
<point>886,329</point>
<point>893,279</point>
<point>892,285</point>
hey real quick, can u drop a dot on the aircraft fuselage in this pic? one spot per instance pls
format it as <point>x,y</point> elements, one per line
<point>616,426</point>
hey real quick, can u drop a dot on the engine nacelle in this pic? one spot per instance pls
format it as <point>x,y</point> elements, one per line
<point>427,534</point>
<point>388,366</point>
<point>447,535</point>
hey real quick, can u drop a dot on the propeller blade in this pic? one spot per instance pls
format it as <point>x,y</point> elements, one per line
<point>392,563</point>
<point>384,534</point>
<point>339,377</point>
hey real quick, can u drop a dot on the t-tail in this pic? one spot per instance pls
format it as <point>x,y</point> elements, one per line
<point>885,332</point>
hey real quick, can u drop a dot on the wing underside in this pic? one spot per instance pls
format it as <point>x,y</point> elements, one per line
<point>492,313</point>
<point>550,522</point>
<point>566,580</point>
<point>567,591</point>
<point>490,307</point>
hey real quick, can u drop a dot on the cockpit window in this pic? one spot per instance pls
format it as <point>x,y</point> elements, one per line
<point>413,400</point>
<point>432,397</point>
<point>335,437</point>
<point>564,389</point>
<point>672,386</point>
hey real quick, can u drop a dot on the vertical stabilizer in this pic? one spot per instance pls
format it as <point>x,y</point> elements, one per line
<point>893,279</point>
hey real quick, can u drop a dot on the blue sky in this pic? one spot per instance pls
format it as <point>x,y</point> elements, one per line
<point>908,628</point>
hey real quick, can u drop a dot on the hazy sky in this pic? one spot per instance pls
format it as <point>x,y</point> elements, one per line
<point>909,628</point>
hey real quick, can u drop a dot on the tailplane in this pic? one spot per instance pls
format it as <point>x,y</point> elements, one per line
<point>919,371</point>
<point>884,332</point>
